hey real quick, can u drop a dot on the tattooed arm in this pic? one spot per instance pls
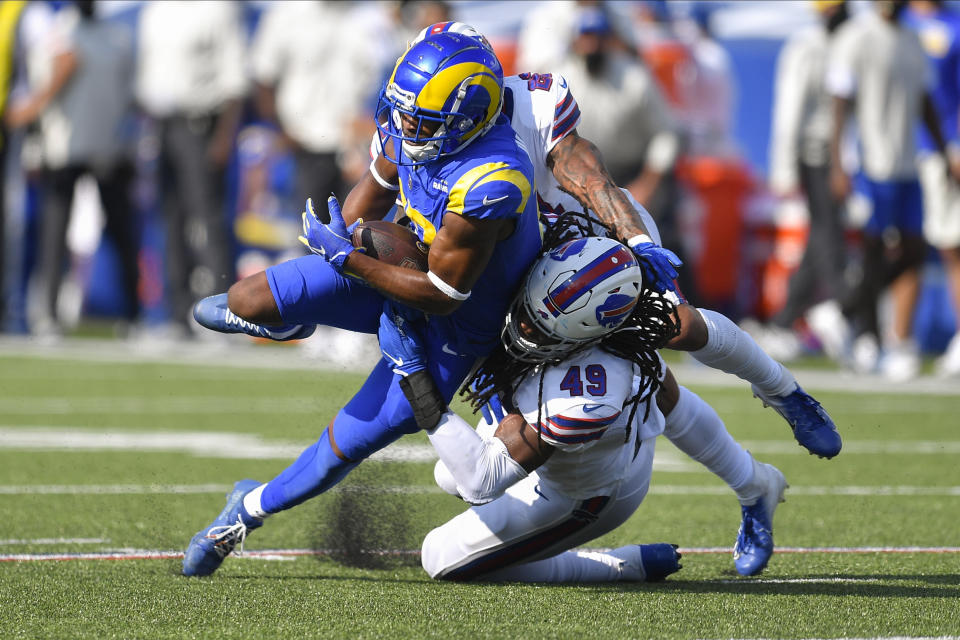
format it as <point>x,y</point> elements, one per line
<point>578,167</point>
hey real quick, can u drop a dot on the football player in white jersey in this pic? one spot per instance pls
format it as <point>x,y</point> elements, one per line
<point>572,458</point>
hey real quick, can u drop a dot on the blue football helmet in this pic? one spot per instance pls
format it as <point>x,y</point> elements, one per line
<point>445,92</point>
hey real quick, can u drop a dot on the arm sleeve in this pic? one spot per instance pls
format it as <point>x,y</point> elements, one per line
<point>577,424</point>
<point>566,115</point>
<point>481,467</point>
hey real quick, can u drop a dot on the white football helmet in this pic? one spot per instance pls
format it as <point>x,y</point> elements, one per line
<point>574,295</point>
<point>452,27</point>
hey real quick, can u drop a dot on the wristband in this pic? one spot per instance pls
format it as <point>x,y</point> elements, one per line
<point>449,291</point>
<point>639,239</point>
<point>421,392</point>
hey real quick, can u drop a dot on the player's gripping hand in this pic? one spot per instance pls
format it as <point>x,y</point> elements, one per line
<point>659,265</point>
<point>330,240</point>
<point>401,338</point>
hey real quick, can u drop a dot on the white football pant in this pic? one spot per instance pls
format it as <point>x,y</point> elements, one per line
<point>504,539</point>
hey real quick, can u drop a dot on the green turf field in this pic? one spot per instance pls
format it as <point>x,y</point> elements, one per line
<point>128,460</point>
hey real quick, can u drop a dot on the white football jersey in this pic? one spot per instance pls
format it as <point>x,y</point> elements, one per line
<point>542,111</point>
<point>582,415</point>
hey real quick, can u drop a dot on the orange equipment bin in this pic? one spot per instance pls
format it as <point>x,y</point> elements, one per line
<point>722,185</point>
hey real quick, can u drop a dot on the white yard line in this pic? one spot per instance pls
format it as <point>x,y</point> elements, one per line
<point>655,489</point>
<point>51,541</point>
<point>215,444</point>
<point>279,554</point>
<point>236,352</point>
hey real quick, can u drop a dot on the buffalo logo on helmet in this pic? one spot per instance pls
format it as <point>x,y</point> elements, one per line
<point>615,310</point>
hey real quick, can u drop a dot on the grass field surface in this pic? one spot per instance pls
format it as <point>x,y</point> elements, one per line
<point>109,463</point>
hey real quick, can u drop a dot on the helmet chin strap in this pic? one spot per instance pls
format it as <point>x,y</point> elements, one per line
<point>421,152</point>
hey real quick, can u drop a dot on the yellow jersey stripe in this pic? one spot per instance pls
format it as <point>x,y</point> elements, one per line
<point>458,192</point>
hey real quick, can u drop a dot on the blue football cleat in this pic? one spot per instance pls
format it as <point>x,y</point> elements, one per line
<point>647,562</point>
<point>210,546</point>
<point>811,425</point>
<point>754,545</point>
<point>213,313</point>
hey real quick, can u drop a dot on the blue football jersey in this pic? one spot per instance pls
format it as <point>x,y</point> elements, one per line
<point>491,178</point>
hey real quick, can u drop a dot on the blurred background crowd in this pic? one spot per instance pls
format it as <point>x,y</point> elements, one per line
<point>802,157</point>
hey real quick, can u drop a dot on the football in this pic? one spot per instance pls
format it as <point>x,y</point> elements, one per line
<point>391,243</point>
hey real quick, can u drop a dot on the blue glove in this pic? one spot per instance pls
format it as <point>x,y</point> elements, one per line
<point>659,265</point>
<point>401,338</point>
<point>331,240</point>
<point>492,410</point>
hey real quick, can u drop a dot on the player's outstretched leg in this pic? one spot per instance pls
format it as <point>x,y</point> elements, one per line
<point>811,425</point>
<point>730,349</point>
<point>214,314</point>
<point>211,545</point>
<point>754,544</point>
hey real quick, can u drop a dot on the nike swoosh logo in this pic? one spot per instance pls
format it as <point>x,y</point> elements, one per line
<point>446,349</point>
<point>487,201</point>
<point>587,408</point>
<point>396,361</point>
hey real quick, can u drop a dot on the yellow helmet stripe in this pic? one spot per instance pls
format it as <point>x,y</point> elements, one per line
<point>440,87</point>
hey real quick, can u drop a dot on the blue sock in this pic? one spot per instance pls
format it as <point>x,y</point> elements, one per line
<point>317,469</point>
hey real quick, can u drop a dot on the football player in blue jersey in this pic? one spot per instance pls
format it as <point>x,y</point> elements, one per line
<point>466,188</point>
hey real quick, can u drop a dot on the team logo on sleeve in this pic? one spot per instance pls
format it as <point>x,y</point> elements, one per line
<point>615,309</point>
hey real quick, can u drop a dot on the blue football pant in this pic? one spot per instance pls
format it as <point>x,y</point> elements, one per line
<point>308,290</point>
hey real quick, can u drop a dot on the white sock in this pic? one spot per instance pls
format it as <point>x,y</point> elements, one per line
<point>696,429</point>
<point>569,566</point>
<point>251,502</point>
<point>731,349</point>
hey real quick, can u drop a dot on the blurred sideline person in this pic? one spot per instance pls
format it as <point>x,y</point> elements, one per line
<point>190,79</point>
<point>578,371</point>
<point>84,108</point>
<point>466,187</point>
<point>626,117</point>
<point>939,31</point>
<point>800,166</point>
<point>9,26</point>
<point>879,70</point>
<point>310,77</point>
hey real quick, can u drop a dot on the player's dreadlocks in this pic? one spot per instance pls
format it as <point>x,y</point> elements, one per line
<point>653,322</point>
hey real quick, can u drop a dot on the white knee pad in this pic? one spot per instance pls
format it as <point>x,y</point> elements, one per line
<point>445,479</point>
